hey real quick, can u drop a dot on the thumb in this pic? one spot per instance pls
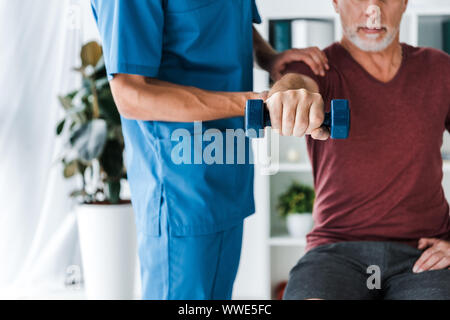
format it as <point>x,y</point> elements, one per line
<point>276,75</point>
<point>426,242</point>
<point>321,133</point>
<point>278,69</point>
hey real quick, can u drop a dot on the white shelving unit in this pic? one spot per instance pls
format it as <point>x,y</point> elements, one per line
<point>268,252</point>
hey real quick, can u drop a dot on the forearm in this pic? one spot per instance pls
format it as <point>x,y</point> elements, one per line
<point>148,99</point>
<point>264,53</point>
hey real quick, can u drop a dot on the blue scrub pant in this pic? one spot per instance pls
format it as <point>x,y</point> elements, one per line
<point>200,267</point>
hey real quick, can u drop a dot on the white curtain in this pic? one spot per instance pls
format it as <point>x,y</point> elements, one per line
<point>39,45</point>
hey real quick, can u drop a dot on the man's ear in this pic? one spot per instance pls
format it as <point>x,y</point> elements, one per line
<point>335,5</point>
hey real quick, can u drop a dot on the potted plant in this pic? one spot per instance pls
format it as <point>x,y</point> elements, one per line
<point>93,153</point>
<point>296,205</point>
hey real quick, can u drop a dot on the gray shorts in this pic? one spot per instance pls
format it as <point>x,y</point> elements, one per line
<point>365,271</point>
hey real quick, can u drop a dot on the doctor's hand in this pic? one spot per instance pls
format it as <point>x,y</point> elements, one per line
<point>313,57</point>
<point>298,112</point>
<point>436,257</point>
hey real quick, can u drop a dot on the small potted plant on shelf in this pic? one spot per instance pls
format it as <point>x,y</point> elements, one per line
<point>296,205</point>
<point>93,153</point>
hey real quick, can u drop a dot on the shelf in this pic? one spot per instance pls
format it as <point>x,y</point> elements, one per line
<point>295,167</point>
<point>446,166</point>
<point>287,241</point>
<point>291,167</point>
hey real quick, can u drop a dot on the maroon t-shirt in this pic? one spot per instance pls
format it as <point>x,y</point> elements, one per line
<point>383,183</point>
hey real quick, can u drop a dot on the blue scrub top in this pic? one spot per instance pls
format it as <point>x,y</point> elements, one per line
<point>201,43</point>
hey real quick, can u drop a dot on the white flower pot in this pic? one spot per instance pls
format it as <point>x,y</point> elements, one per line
<point>108,250</point>
<point>299,224</point>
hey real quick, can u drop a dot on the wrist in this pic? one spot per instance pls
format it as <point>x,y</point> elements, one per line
<point>263,95</point>
<point>250,96</point>
<point>258,95</point>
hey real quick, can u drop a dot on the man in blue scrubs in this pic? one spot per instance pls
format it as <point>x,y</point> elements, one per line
<point>172,63</point>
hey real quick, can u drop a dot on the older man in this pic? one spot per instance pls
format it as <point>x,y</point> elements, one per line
<point>381,219</point>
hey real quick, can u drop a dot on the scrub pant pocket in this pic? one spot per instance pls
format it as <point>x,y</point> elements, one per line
<point>189,267</point>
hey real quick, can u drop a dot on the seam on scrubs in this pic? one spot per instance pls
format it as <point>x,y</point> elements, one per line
<point>219,259</point>
<point>167,245</point>
<point>152,227</point>
<point>160,208</point>
<point>162,194</point>
<point>163,220</point>
<point>150,138</point>
<point>204,229</point>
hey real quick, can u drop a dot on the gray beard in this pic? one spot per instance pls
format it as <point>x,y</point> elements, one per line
<point>371,46</point>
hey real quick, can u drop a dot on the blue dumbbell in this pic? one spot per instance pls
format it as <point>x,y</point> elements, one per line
<point>338,120</point>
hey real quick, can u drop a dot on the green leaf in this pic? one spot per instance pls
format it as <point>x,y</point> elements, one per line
<point>72,94</point>
<point>100,70</point>
<point>86,83</point>
<point>60,127</point>
<point>66,102</point>
<point>111,159</point>
<point>113,191</point>
<point>76,109</point>
<point>78,97</point>
<point>70,169</point>
<point>100,64</point>
<point>78,193</point>
<point>100,84</point>
<point>91,54</point>
<point>297,199</point>
<point>108,108</point>
<point>90,139</point>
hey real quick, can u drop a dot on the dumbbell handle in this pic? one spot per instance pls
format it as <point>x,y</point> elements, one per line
<point>257,117</point>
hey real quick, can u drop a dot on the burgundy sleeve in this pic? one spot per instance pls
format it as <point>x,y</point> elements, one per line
<point>444,69</point>
<point>447,122</point>
<point>303,68</point>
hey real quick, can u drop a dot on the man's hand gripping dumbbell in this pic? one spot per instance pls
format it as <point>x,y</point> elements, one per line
<point>296,113</point>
